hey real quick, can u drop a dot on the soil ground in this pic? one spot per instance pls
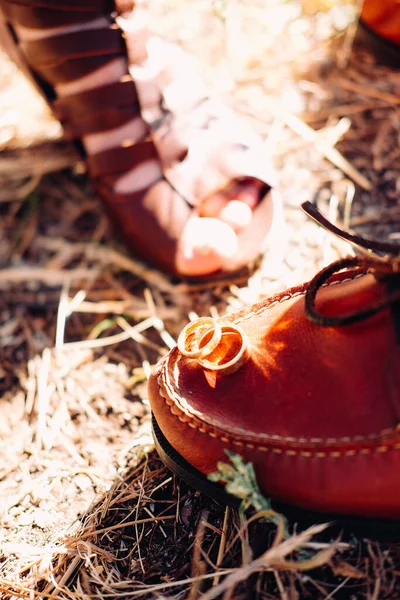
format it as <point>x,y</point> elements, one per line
<point>87,508</point>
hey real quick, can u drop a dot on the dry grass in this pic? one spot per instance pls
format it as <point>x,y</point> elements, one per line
<point>87,509</point>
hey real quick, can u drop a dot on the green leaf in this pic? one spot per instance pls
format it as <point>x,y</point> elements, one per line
<point>240,480</point>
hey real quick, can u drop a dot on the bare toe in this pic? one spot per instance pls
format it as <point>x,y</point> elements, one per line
<point>237,214</point>
<point>206,244</point>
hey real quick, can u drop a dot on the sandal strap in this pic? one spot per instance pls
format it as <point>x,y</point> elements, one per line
<point>104,120</point>
<point>97,6</point>
<point>113,95</point>
<point>74,69</point>
<point>54,50</point>
<point>42,18</point>
<point>121,160</point>
<point>153,226</point>
<point>63,58</point>
<point>98,109</point>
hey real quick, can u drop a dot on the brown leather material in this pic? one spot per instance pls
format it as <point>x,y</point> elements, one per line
<point>151,221</point>
<point>114,95</point>
<point>120,160</point>
<point>73,69</point>
<point>102,6</point>
<point>103,120</point>
<point>42,18</point>
<point>54,50</point>
<point>383,17</point>
<point>315,409</point>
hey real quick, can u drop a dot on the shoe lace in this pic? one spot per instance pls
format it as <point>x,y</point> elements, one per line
<point>382,259</point>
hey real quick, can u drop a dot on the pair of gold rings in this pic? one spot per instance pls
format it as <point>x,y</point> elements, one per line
<point>222,348</point>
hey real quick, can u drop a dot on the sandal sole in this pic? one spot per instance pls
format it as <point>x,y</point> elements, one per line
<point>374,528</point>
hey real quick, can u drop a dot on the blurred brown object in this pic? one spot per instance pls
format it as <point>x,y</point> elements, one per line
<point>380,28</point>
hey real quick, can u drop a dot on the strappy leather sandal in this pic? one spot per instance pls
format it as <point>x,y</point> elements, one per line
<point>305,385</point>
<point>214,153</point>
<point>379,27</point>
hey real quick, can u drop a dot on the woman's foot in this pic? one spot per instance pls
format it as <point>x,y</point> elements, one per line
<point>209,237</point>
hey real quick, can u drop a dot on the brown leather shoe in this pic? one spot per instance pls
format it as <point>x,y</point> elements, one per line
<point>380,28</point>
<point>305,385</point>
<point>200,147</point>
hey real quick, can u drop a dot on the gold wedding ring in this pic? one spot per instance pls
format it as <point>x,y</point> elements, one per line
<point>230,353</point>
<point>189,340</point>
<point>221,348</point>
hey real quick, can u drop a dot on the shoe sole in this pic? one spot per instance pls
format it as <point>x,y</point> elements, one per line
<point>386,51</point>
<point>363,527</point>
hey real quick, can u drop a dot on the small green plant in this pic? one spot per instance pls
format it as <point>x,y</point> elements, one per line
<point>240,481</point>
